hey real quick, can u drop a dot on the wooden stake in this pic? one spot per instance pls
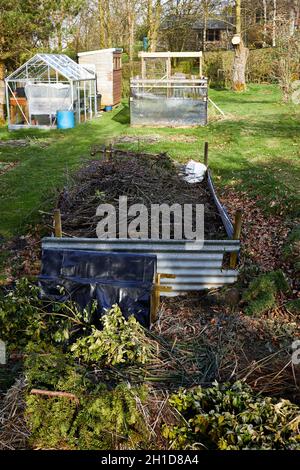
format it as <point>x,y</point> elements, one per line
<point>236,236</point>
<point>206,154</point>
<point>157,289</point>
<point>49,393</point>
<point>57,223</point>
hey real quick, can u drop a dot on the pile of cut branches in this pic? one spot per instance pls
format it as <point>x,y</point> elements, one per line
<point>144,179</point>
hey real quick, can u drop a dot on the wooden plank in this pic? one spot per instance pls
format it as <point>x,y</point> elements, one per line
<point>168,54</point>
<point>140,81</point>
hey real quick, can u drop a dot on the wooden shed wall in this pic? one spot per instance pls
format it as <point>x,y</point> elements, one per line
<point>109,82</point>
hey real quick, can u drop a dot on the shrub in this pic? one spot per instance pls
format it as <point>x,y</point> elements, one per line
<point>20,314</point>
<point>121,341</point>
<point>231,417</point>
<point>260,67</point>
<point>26,317</point>
<point>261,294</point>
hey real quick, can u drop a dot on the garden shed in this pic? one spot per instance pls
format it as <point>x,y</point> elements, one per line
<point>107,64</point>
<point>46,84</point>
<point>163,97</point>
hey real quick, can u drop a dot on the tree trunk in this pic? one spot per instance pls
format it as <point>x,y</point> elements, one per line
<point>131,24</point>
<point>204,32</point>
<point>265,22</point>
<point>2,92</point>
<point>102,38</point>
<point>154,15</point>
<point>292,21</point>
<point>241,54</point>
<point>274,38</point>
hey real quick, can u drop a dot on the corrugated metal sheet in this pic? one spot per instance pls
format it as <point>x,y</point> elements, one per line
<point>221,209</point>
<point>196,266</point>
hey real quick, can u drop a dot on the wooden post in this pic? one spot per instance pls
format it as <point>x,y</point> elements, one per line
<point>57,223</point>
<point>111,151</point>
<point>236,236</point>
<point>206,154</point>
<point>143,69</point>
<point>157,289</point>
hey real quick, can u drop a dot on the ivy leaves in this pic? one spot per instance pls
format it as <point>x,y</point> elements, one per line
<point>231,417</point>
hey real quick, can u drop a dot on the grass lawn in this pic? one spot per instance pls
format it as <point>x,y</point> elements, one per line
<point>256,148</point>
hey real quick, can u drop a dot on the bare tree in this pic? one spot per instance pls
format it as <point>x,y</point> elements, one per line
<point>274,23</point>
<point>265,7</point>
<point>154,12</point>
<point>241,53</point>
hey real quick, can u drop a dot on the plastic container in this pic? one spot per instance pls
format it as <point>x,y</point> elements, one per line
<point>108,108</point>
<point>65,119</point>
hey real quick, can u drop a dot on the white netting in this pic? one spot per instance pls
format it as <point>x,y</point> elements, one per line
<point>48,98</point>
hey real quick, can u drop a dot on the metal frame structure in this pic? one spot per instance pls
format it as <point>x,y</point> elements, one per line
<point>167,99</point>
<point>52,70</point>
<point>167,56</point>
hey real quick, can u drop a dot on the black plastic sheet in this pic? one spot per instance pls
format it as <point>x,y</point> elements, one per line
<point>108,278</point>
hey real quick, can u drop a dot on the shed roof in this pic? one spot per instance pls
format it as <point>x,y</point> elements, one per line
<point>214,24</point>
<point>100,51</point>
<point>37,67</point>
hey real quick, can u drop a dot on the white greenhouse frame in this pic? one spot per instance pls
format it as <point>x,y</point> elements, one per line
<point>51,70</point>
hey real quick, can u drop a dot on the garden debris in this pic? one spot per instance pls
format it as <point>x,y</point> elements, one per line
<point>144,179</point>
<point>263,236</point>
<point>24,255</point>
<point>18,143</point>
<point>6,166</point>
<point>153,138</point>
<point>239,347</point>
<point>13,428</point>
<point>14,143</point>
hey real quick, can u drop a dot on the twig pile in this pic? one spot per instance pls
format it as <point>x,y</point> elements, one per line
<point>226,345</point>
<point>13,430</point>
<point>144,179</point>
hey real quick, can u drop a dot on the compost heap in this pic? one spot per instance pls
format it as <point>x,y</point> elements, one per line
<point>144,179</point>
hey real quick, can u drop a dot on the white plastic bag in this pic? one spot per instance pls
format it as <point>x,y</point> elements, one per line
<point>194,172</point>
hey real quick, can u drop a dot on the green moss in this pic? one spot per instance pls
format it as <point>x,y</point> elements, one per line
<point>50,422</point>
<point>103,419</point>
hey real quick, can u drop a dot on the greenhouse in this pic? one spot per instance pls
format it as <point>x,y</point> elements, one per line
<point>46,84</point>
